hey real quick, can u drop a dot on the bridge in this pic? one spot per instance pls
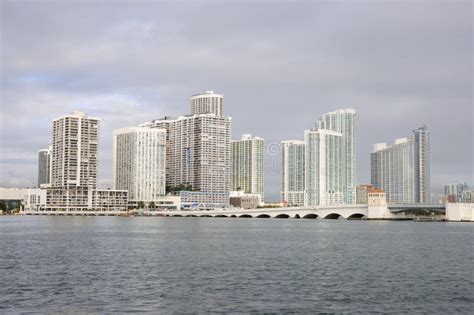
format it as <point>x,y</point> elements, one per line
<point>326,212</point>
<point>352,211</point>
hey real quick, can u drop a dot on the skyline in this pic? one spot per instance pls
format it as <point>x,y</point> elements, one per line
<point>111,76</point>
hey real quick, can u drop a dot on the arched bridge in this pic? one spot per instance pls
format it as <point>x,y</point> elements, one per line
<point>326,212</point>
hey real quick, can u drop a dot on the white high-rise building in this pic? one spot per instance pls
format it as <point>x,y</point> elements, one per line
<point>247,157</point>
<point>74,151</point>
<point>324,182</point>
<point>293,172</point>
<point>44,166</point>
<point>402,170</point>
<point>393,170</point>
<point>139,159</point>
<point>198,154</point>
<point>207,103</point>
<point>74,161</point>
<point>343,122</point>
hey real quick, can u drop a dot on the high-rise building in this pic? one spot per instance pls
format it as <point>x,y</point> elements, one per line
<point>247,165</point>
<point>343,122</point>
<point>207,103</point>
<point>44,166</point>
<point>74,151</point>
<point>455,191</point>
<point>324,182</point>
<point>74,164</point>
<point>293,172</point>
<point>198,153</point>
<point>422,151</point>
<point>139,158</point>
<point>402,170</point>
<point>393,170</point>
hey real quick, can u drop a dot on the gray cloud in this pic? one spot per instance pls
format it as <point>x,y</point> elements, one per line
<point>279,64</point>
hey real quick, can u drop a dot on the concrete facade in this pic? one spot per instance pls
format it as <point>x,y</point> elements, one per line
<point>247,156</point>
<point>343,121</point>
<point>403,169</point>
<point>323,168</point>
<point>198,153</point>
<point>74,168</point>
<point>139,160</point>
<point>460,212</point>
<point>293,172</point>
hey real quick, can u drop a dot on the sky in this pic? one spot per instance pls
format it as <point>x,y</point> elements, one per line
<point>279,64</point>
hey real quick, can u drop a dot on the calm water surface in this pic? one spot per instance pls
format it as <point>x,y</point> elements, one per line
<point>176,265</point>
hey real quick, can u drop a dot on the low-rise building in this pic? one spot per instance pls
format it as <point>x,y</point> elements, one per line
<point>26,199</point>
<point>203,200</point>
<point>376,197</point>
<point>83,199</point>
<point>243,200</point>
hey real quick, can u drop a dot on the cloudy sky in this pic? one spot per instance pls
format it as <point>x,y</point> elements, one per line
<point>279,64</point>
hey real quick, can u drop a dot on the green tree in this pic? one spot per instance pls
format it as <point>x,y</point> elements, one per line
<point>141,205</point>
<point>152,205</point>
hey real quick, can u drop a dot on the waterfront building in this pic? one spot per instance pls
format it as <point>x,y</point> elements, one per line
<point>293,172</point>
<point>207,103</point>
<point>74,163</point>
<point>247,156</point>
<point>239,199</point>
<point>402,170</point>
<point>393,170</point>
<point>376,197</point>
<point>25,199</point>
<point>198,155</point>
<point>139,159</point>
<point>453,192</point>
<point>324,182</point>
<point>44,166</point>
<point>343,122</point>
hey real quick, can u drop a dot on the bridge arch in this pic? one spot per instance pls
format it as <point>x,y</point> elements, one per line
<point>205,216</point>
<point>220,216</point>
<point>177,216</point>
<point>263,216</point>
<point>245,216</point>
<point>297,216</point>
<point>282,216</point>
<point>333,216</point>
<point>355,216</point>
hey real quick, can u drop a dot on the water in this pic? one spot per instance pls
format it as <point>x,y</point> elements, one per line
<point>176,265</point>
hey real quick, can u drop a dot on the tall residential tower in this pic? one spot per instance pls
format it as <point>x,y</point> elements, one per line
<point>293,172</point>
<point>247,165</point>
<point>343,122</point>
<point>402,170</point>
<point>44,166</point>
<point>324,181</point>
<point>74,161</point>
<point>139,158</point>
<point>198,152</point>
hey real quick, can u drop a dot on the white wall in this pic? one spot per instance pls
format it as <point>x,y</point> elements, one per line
<point>460,212</point>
